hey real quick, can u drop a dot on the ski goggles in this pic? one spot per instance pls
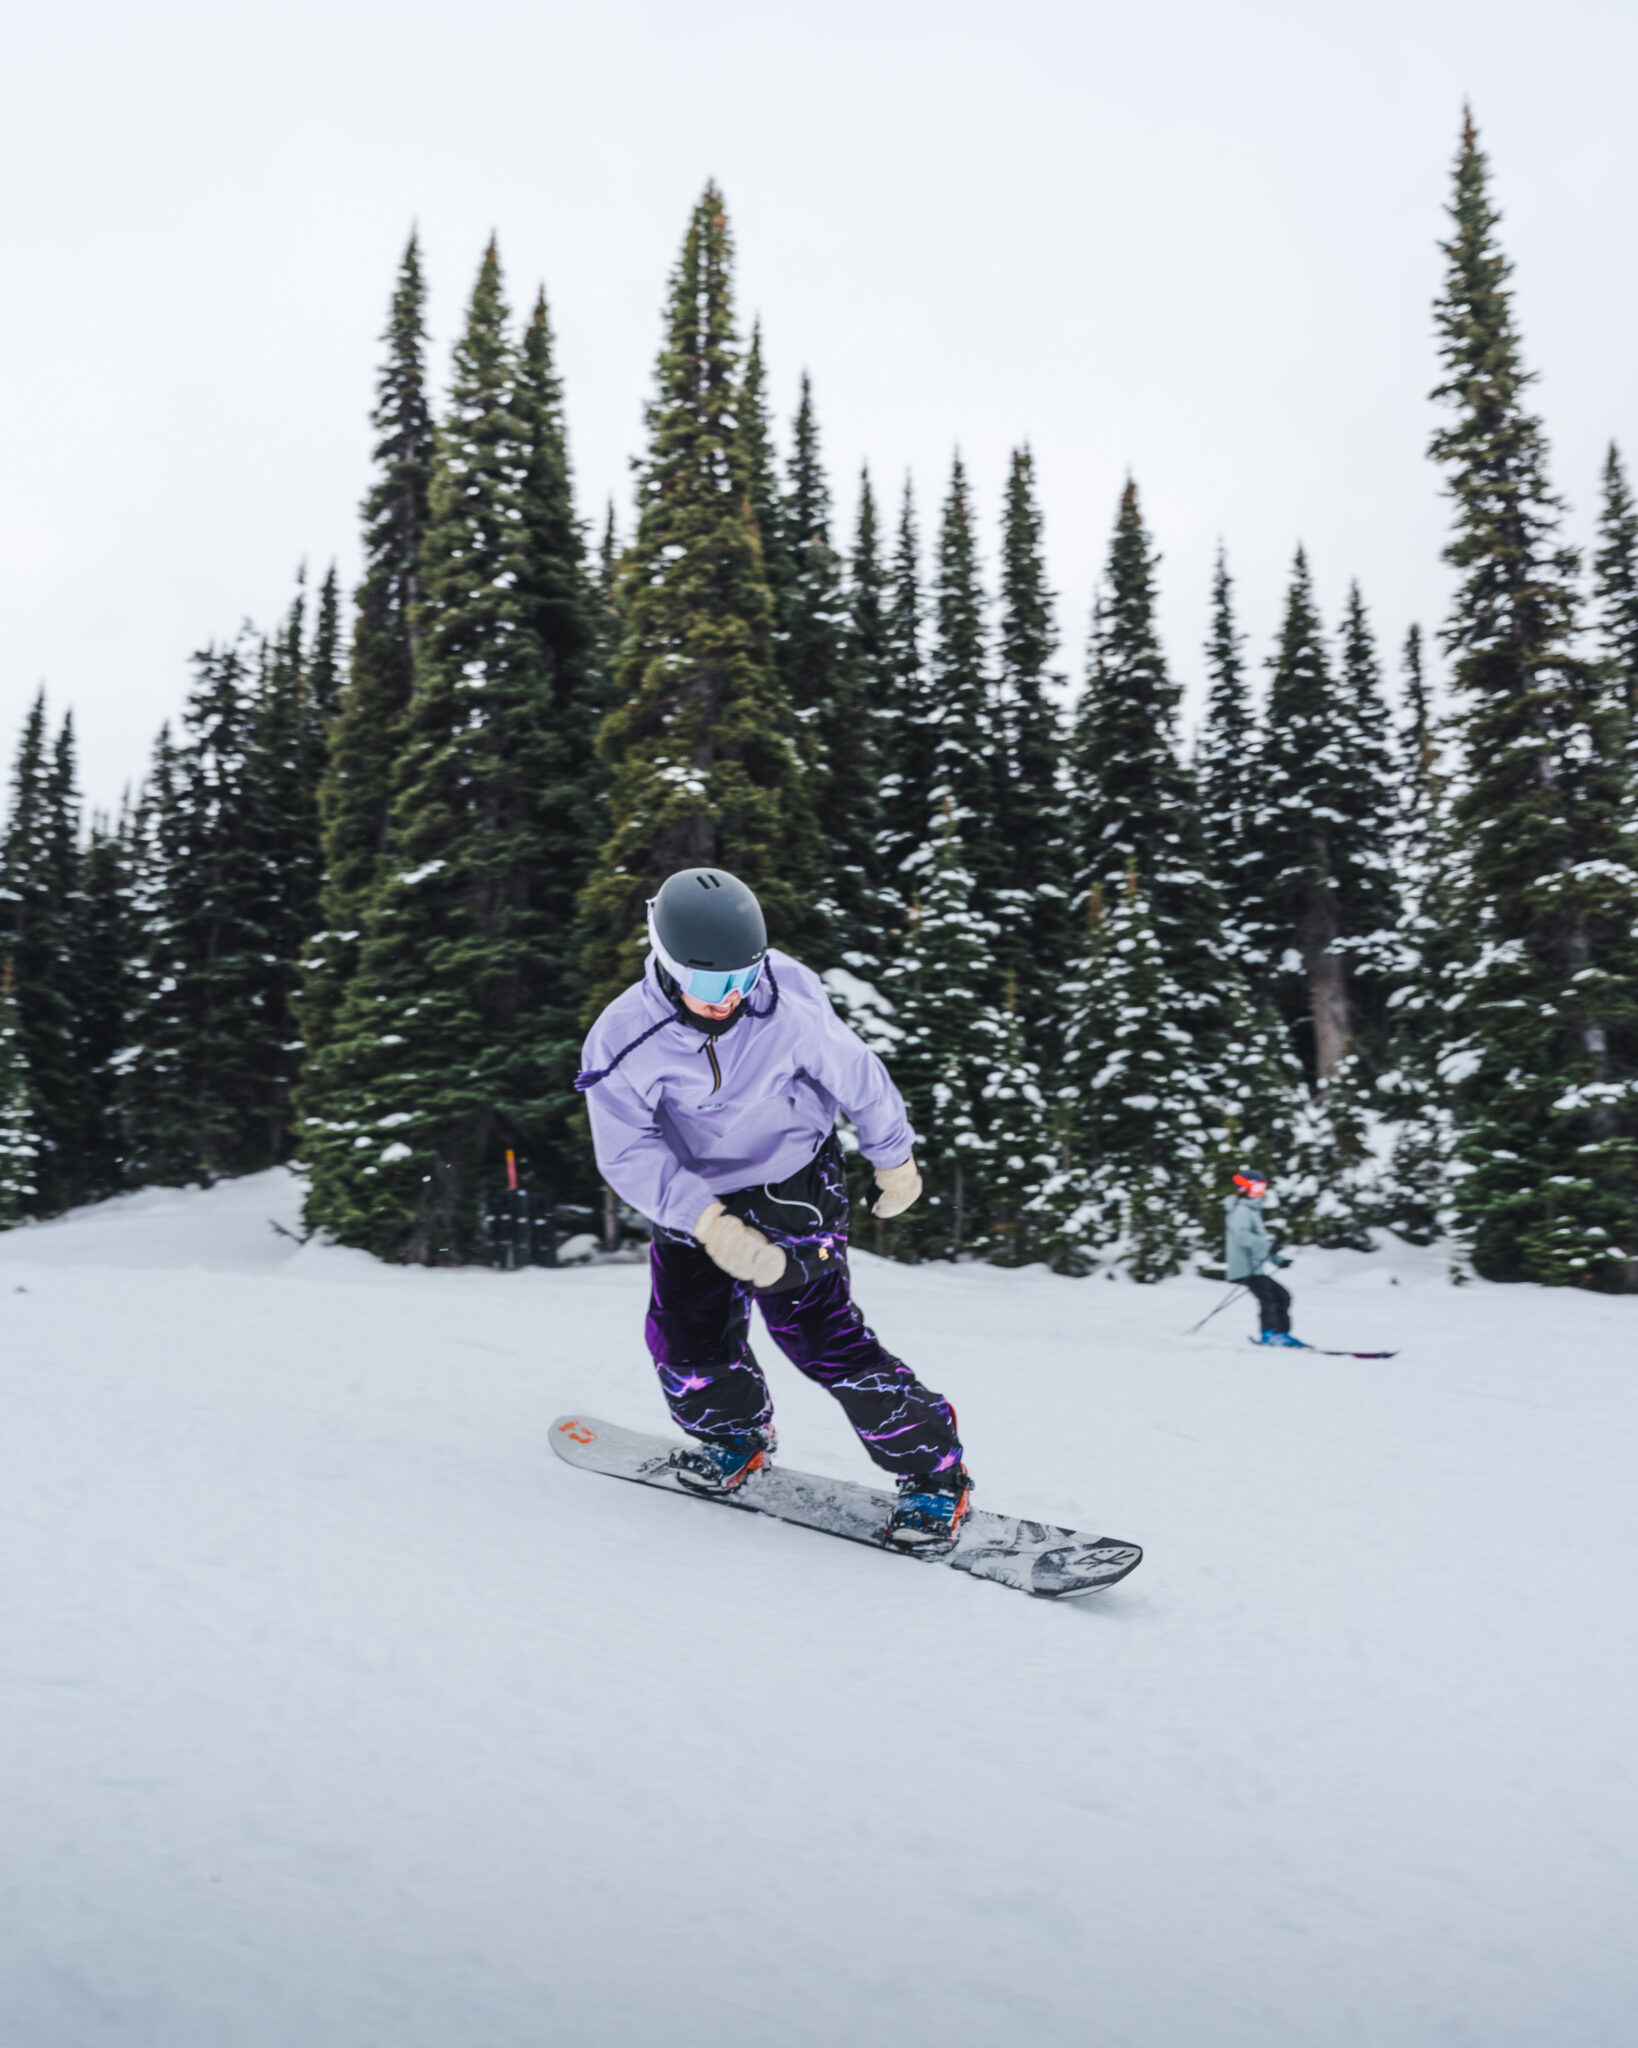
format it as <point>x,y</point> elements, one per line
<point>1253,1188</point>
<point>705,984</point>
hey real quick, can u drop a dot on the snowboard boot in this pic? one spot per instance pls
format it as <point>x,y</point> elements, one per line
<point>931,1509</point>
<point>1282,1340</point>
<point>719,1468</point>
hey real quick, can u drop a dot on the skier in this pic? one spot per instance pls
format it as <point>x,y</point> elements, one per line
<point>714,1115</point>
<point>1248,1250</point>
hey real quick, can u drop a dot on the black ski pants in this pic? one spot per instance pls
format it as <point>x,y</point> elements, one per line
<point>1273,1301</point>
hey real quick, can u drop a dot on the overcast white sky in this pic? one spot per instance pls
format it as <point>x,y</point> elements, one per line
<point>1194,240</point>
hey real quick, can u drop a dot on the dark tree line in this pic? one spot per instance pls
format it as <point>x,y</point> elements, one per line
<point>368,896</point>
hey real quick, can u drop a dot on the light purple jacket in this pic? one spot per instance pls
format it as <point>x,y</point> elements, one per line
<point>679,1118</point>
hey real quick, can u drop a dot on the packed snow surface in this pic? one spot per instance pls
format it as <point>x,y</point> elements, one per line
<point>336,1712</point>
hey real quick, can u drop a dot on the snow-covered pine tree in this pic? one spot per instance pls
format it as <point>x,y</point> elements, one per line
<point>282,821</point>
<point>1135,802</point>
<point>873,935</point>
<point>39,875</point>
<point>443,1054</point>
<point>1549,1102</point>
<point>1615,598</point>
<point>1362,837</point>
<point>1019,1157</point>
<point>19,1136</point>
<point>833,700</point>
<point>1226,762</point>
<point>905,726</point>
<point>355,794</point>
<point>1036,908</point>
<point>702,744</point>
<point>106,938</point>
<point>1133,1108</point>
<point>761,472</point>
<point>947,1045</point>
<point>1412,1087</point>
<point>965,726</point>
<point>206,1037</point>
<point>1294,891</point>
<point>560,606</point>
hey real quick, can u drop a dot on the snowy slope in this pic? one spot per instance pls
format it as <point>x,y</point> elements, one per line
<point>335,1712</point>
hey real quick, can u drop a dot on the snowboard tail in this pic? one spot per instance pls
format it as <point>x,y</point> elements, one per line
<point>1033,1557</point>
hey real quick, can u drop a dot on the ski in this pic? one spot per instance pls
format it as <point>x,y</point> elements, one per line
<point>1321,1350</point>
<point>1033,1557</point>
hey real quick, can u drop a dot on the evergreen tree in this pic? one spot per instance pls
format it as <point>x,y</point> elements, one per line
<point>106,939</point>
<point>947,1045</point>
<point>1134,1103</point>
<point>702,745</point>
<point>362,737</point>
<point>209,1043</point>
<point>1294,895</point>
<point>833,697</point>
<point>324,667</point>
<point>561,607</point>
<point>1362,836</point>
<point>761,474</point>
<point>1549,1104</point>
<point>1019,1158</point>
<point>1615,595</point>
<point>964,725</point>
<point>905,725</point>
<point>444,1054</point>
<point>1227,764</point>
<point>867,661</point>
<point>1136,802</point>
<point>1036,917</point>
<point>19,1137</point>
<point>38,881</point>
<point>1416,734</point>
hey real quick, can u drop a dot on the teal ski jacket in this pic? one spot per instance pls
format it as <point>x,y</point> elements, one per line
<point>1247,1247</point>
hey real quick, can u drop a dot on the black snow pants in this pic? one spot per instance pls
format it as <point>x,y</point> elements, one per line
<point>1273,1300</point>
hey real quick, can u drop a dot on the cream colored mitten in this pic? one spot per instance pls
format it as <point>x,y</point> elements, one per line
<point>900,1186</point>
<point>738,1249</point>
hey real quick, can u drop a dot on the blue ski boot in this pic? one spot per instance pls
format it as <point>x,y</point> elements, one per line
<point>931,1509</point>
<point>1282,1340</point>
<point>719,1468</point>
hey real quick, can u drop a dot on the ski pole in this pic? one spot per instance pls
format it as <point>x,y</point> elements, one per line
<point>1223,1304</point>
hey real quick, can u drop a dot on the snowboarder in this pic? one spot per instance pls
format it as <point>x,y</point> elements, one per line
<point>713,1086</point>
<point>1249,1249</point>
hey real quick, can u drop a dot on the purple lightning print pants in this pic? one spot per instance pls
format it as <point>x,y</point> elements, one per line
<point>699,1332</point>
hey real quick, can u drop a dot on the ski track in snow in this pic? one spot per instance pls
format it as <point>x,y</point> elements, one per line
<point>336,1712</point>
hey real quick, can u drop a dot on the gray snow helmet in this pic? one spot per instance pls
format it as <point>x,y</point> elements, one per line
<point>708,930</point>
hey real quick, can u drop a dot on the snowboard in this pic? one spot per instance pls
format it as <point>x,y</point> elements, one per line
<point>1033,1557</point>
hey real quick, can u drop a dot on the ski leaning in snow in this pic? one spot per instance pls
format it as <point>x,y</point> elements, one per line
<point>1323,1350</point>
<point>1034,1557</point>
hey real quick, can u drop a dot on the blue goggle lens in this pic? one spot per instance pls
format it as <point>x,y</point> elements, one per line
<point>706,987</point>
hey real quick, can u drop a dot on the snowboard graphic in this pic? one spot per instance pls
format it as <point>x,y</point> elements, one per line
<point>1034,1557</point>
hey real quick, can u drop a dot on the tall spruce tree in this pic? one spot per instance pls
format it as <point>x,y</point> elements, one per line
<point>1136,802</point>
<point>355,795</point>
<point>1615,596</point>
<point>964,719</point>
<point>19,1134</point>
<point>106,939</point>
<point>1035,909</point>
<point>702,745</point>
<point>444,1053</point>
<point>837,717</point>
<point>1550,1103</point>
<point>209,1042</point>
<point>38,887</point>
<point>1362,838</point>
<point>1226,765</point>
<point>905,726</point>
<point>867,662</point>
<point>561,607</point>
<point>1296,923</point>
